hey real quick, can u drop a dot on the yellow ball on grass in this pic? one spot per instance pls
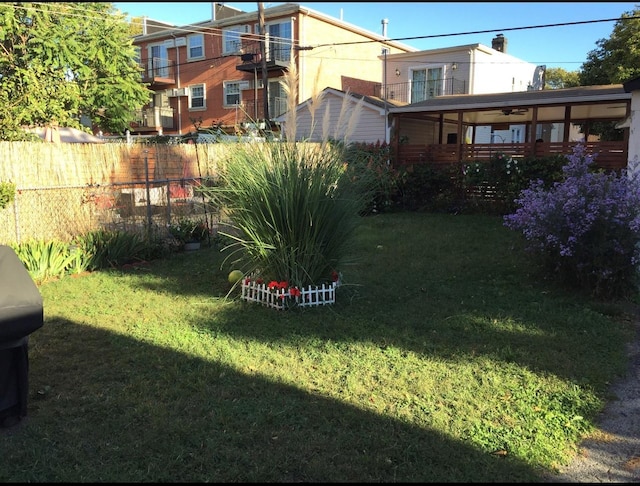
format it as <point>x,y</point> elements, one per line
<point>234,276</point>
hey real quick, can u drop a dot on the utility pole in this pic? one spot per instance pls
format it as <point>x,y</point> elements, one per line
<point>263,55</point>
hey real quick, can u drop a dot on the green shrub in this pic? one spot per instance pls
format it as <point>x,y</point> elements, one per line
<point>293,208</point>
<point>426,187</point>
<point>186,230</point>
<point>107,248</point>
<point>45,260</point>
<point>369,162</point>
<point>495,185</point>
<point>7,193</point>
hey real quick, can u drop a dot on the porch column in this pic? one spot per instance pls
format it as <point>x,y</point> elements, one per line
<point>633,157</point>
<point>567,123</point>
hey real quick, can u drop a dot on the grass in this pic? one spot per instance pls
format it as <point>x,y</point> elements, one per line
<point>446,358</point>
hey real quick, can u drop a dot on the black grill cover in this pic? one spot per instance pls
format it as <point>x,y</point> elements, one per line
<point>21,310</point>
<point>21,313</point>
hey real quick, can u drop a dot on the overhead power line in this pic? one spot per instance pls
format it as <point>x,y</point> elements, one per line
<point>506,29</point>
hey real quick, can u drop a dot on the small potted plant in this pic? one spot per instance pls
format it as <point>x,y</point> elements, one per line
<point>190,233</point>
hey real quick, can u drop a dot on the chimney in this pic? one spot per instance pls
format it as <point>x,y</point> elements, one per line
<point>499,43</point>
<point>384,27</point>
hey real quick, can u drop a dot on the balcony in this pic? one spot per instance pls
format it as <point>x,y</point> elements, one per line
<point>413,92</point>
<point>153,119</point>
<point>158,71</point>
<point>278,58</point>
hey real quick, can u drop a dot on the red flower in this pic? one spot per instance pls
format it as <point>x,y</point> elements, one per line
<point>295,292</point>
<point>247,281</point>
<point>259,281</point>
<point>335,276</point>
<point>278,285</point>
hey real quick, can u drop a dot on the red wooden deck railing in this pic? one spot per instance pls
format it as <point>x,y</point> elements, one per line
<point>610,155</point>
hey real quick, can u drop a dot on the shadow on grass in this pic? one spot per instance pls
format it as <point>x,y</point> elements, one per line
<point>446,315</point>
<point>115,409</point>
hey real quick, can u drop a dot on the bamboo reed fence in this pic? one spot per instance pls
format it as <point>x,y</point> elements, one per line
<point>63,190</point>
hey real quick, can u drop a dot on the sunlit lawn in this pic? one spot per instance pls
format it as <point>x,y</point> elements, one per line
<point>445,358</point>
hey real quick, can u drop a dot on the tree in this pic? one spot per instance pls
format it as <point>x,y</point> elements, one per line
<point>62,61</point>
<point>556,78</point>
<point>616,59</point>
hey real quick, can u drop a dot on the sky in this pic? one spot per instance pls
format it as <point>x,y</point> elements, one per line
<point>446,24</point>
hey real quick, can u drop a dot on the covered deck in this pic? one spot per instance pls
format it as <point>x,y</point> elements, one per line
<point>466,128</point>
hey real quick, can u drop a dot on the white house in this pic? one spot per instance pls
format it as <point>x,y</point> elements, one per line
<point>331,115</point>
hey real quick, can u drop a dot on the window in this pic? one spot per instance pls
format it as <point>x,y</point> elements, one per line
<point>279,46</point>
<point>195,48</point>
<point>426,84</point>
<point>277,99</point>
<point>158,61</point>
<point>196,96</point>
<point>232,39</point>
<point>231,93</point>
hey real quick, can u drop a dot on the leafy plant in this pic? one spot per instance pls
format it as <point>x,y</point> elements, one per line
<point>7,193</point>
<point>370,162</point>
<point>106,248</point>
<point>586,227</point>
<point>187,230</point>
<point>45,259</point>
<point>293,207</point>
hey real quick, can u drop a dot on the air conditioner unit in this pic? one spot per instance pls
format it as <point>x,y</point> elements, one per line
<point>244,85</point>
<point>175,92</point>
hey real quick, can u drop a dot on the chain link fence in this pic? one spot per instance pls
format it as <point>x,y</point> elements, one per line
<point>82,189</point>
<point>60,213</point>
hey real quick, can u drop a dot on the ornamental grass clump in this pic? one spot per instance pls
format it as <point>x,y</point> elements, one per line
<point>292,205</point>
<point>586,227</point>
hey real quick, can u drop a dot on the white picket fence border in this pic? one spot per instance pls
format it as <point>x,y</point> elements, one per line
<point>281,299</point>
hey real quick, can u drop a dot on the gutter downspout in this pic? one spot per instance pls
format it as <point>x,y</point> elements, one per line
<point>178,79</point>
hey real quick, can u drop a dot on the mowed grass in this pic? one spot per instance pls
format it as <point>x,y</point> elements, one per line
<point>446,358</point>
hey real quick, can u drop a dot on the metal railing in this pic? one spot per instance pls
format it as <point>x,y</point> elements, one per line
<point>158,69</point>
<point>412,92</point>
<point>154,117</point>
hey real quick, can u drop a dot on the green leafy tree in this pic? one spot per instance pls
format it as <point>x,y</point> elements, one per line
<point>60,61</point>
<point>556,78</point>
<point>616,59</point>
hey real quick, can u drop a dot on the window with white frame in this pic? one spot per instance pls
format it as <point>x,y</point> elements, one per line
<point>195,49</point>
<point>280,40</point>
<point>232,93</point>
<point>426,83</point>
<point>232,39</point>
<point>196,96</point>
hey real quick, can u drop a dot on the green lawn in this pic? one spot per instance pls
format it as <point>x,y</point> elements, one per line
<point>446,358</point>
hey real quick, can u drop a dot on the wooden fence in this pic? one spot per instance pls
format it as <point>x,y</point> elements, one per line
<point>610,155</point>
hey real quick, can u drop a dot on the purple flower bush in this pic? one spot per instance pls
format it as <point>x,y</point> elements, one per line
<point>586,228</point>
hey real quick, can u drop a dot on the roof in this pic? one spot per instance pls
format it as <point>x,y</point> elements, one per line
<point>602,101</point>
<point>372,102</point>
<point>64,135</point>
<point>277,11</point>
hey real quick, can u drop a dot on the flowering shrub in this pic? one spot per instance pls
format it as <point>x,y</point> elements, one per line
<point>586,227</point>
